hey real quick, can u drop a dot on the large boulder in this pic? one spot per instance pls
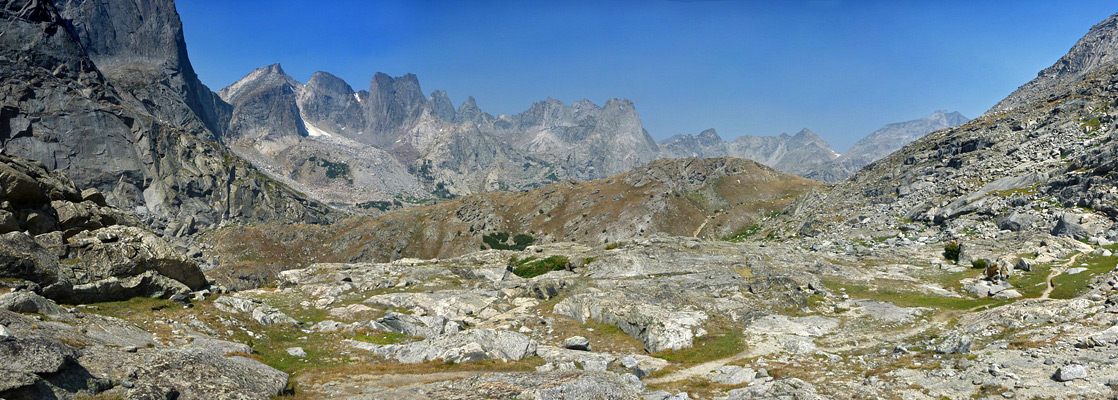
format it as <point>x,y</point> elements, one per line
<point>122,251</point>
<point>36,368</point>
<point>422,326</point>
<point>22,257</point>
<point>147,284</point>
<point>1015,221</point>
<point>186,373</point>
<point>1068,226</point>
<point>29,302</point>
<point>262,313</point>
<point>658,328</point>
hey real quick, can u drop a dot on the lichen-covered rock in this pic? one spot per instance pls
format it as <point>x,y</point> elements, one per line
<point>788,388</point>
<point>564,385</point>
<point>23,258</point>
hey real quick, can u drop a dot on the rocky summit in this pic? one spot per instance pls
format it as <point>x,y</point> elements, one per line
<point>290,240</point>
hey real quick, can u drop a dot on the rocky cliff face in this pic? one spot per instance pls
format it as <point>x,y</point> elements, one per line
<point>103,91</point>
<point>309,137</point>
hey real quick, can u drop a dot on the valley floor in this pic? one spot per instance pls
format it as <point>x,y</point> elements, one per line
<point>664,317</point>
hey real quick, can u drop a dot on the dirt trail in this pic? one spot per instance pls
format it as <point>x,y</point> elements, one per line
<point>700,228</point>
<point>698,370</point>
<point>1056,272</point>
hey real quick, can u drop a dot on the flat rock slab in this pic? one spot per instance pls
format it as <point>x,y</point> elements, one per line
<point>466,346</point>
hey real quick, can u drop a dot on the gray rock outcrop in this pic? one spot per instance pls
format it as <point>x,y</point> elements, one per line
<point>262,313</point>
<point>466,346</point>
<point>83,250</point>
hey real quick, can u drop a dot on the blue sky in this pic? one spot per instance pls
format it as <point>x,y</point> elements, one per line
<point>840,68</point>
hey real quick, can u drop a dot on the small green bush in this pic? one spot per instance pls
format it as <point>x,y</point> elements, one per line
<point>499,241</point>
<point>530,267</point>
<point>980,263</point>
<point>951,251</point>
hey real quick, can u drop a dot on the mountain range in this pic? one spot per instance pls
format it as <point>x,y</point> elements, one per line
<point>392,145</point>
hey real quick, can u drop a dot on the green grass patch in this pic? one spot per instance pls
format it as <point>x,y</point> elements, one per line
<point>713,346</point>
<point>289,304</point>
<point>1071,286</point>
<point>135,307</point>
<point>382,338</point>
<point>909,298</point>
<point>531,267</point>
<point>1031,283</point>
<point>742,235</point>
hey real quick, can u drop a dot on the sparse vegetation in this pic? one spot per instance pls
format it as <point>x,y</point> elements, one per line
<point>380,205</point>
<point>713,346</point>
<point>334,170</point>
<point>531,267</point>
<point>742,235</point>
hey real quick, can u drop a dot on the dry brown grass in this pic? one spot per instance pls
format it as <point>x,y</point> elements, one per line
<point>585,212</point>
<point>696,388</point>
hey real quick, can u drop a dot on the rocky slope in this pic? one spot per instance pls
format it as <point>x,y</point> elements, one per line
<point>707,198</point>
<point>60,245</point>
<point>1098,48</point>
<point>74,248</point>
<point>883,142</point>
<point>104,92</point>
<point>1039,167</point>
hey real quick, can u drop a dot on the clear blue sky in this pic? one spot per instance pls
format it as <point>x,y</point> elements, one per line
<point>840,68</point>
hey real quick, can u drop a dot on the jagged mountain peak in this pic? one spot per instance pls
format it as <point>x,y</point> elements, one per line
<point>585,104</point>
<point>621,104</point>
<point>326,80</point>
<point>441,105</point>
<point>709,135</point>
<point>266,76</point>
<point>807,134</point>
<point>1099,47</point>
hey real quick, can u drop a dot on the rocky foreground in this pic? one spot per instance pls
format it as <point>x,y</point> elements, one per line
<point>653,318</point>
